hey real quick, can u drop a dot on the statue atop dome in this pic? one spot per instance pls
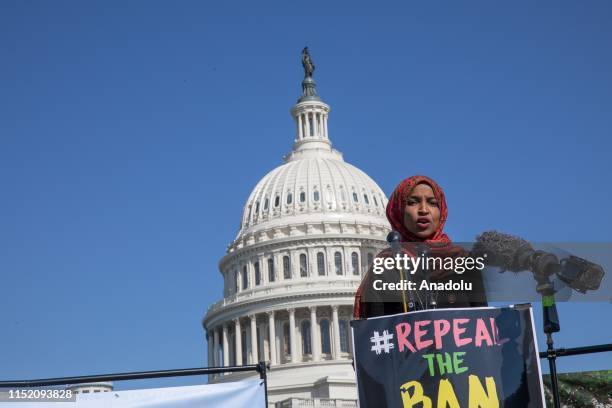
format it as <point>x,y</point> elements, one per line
<point>307,63</point>
<point>309,86</point>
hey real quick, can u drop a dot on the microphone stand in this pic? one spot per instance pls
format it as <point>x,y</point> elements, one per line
<point>431,301</point>
<point>551,325</point>
<point>393,238</point>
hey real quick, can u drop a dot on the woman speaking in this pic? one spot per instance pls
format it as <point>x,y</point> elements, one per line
<point>417,212</point>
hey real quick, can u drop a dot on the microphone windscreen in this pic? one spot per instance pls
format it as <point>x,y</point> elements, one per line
<point>393,237</point>
<point>502,250</point>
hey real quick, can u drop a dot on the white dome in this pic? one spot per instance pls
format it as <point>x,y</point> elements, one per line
<point>315,184</point>
<point>309,231</point>
<point>315,187</point>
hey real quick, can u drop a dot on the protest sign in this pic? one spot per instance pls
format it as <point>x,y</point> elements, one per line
<point>473,357</point>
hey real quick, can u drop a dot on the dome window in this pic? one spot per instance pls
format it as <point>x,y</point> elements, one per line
<point>302,196</point>
<point>256,207</point>
<point>266,202</point>
<point>375,200</point>
<point>306,346</point>
<point>289,198</point>
<point>344,342</point>
<point>355,263</point>
<point>286,267</point>
<point>321,263</point>
<point>366,199</point>
<point>257,274</point>
<point>245,277</point>
<point>260,344</point>
<point>315,196</point>
<point>286,342</point>
<point>236,281</point>
<point>338,262</point>
<point>276,201</point>
<point>303,266</point>
<point>271,274</point>
<point>232,349</point>
<point>325,337</point>
<point>355,197</point>
<point>243,338</point>
<point>311,124</point>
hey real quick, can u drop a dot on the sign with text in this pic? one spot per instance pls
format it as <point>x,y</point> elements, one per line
<point>474,358</point>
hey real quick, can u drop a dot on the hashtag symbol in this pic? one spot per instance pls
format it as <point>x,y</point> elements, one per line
<point>381,343</point>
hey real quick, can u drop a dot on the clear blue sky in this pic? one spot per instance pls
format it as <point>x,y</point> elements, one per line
<point>131,134</point>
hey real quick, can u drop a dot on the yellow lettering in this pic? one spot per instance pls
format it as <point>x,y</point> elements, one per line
<point>479,398</point>
<point>410,400</point>
<point>446,395</point>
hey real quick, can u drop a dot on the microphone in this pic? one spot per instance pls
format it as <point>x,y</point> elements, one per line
<point>516,254</point>
<point>394,238</point>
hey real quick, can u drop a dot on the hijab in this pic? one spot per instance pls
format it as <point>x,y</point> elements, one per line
<point>439,244</point>
<point>397,204</point>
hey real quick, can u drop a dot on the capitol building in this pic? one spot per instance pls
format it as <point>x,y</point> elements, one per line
<point>309,230</point>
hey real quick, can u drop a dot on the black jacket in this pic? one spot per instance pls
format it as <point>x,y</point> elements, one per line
<point>388,302</point>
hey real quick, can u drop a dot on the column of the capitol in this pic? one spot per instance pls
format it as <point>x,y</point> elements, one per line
<point>325,126</point>
<point>209,343</point>
<point>216,347</point>
<point>254,356</point>
<point>292,335</point>
<point>225,346</point>
<point>272,330</point>
<point>336,333</point>
<point>314,334</point>
<point>238,337</point>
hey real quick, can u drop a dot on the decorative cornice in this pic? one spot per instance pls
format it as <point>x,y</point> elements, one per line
<point>304,286</point>
<point>281,243</point>
<point>268,305</point>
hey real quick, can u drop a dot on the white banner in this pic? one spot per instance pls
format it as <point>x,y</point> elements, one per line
<point>247,393</point>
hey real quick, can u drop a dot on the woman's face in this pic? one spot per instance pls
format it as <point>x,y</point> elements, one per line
<point>422,214</point>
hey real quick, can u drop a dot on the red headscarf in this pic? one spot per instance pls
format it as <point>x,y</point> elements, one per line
<point>395,214</point>
<point>397,204</point>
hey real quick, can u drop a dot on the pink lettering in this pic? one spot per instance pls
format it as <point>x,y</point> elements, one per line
<point>441,328</point>
<point>457,331</point>
<point>402,330</point>
<point>419,333</point>
<point>482,334</point>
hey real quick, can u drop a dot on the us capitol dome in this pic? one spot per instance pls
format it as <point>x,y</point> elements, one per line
<point>309,231</point>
